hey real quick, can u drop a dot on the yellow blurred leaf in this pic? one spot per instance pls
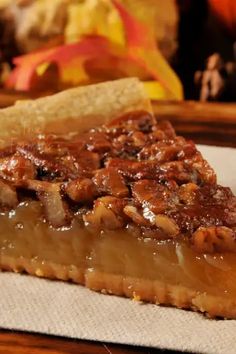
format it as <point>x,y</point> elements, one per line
<point>74,73</point>
<point>94,17</point>
<point>40,70</point>
<point>155,90</point>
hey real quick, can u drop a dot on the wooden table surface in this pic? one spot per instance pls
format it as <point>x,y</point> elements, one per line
<point>27,343</point>
<point>213,124</point>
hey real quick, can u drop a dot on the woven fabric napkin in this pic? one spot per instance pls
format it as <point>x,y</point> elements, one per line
<point>58,308</point>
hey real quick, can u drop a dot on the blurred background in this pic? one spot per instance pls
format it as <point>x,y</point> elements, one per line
<point>180,49</point>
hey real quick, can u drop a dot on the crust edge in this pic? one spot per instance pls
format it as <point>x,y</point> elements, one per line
<point>77,109</point>
<point>156,292</point>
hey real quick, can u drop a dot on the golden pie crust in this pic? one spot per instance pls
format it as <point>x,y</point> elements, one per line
<point>76,109</point>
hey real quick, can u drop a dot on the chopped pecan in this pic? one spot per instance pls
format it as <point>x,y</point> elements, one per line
<point>38,186</point>
<point>214,239</point>
<point>129,144</point>
<point>168,150</point>
<point>46,166</point>
<point>138,139</point>
<point>205,172</point>
<point>97,142</point>
<point>159,151</point>
<point>107,213</point>
<point>187,193</point>
<point>17,168</point>
<point>171,185</point>
<point>155,136</point>
<point>135,121</point>
<point>133,213</point>
<point>57,147</point>
<point>136,170</point>
<point>60,165</point>
<point>168,225</point>
<point>56,210</point>
<point>231,208</point>
<point>110,181</point>
<point>81,190</point>
<point>177,171</point>
<point>8,151</point>
<point>151,194</point>
<point>8,196</point>
<point>88,160</point>
<point>223,195</point>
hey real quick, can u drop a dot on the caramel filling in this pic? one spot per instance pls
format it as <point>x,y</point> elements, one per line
<point>118,252</point>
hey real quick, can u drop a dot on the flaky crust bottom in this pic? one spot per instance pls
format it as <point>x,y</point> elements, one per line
<point>153,291</point>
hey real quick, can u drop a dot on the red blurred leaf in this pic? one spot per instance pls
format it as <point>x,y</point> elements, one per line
<point>26,65</point>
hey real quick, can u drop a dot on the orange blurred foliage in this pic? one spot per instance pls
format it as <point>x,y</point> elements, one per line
<point>95,58</point>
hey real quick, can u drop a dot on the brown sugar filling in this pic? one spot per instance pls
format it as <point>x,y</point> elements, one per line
<point>130,199</point>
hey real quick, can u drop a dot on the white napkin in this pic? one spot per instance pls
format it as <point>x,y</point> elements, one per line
<point>69,310</point>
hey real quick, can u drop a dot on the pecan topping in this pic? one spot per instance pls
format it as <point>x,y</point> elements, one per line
<point>56,211</point>
<point>17,168</point>
<point>81,190</point>
<point>132,212</point>
<point>168,150</point>
<point>151,194</point>
<point>110,181</point>
<point>168,225</point>
<point>214,239</point>
<point>134,173</point>
<point>8,196</point>
<point>187,193</point>
<point>107,212</point>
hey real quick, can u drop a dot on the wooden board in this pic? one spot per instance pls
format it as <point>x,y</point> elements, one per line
<point>205,123</point>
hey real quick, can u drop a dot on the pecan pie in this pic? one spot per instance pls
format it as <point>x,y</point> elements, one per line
<point>125,207</point>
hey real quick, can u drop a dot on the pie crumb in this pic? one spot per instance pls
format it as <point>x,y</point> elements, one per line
<point>136,297</point>
<point>39,272</point>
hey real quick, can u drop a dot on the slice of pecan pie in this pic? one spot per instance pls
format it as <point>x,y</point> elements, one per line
<point>126,208</point>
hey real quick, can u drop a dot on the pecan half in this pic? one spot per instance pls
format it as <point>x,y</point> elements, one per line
<point>214,239</point>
